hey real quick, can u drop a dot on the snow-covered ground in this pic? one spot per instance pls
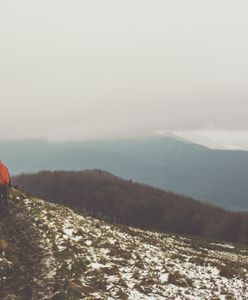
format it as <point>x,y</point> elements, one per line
<point>97,260</point>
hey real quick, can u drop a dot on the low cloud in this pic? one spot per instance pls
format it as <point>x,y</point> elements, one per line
<point>91,69</point>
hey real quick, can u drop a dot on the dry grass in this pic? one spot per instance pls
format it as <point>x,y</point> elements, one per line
<point>3,246</point>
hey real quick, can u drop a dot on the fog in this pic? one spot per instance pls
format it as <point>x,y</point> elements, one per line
<point>96,69</point>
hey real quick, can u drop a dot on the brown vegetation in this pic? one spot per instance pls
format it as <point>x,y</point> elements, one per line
<point>3,245</point>
<point>101,194</point>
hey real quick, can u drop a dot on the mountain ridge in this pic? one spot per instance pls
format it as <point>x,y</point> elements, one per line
<point>213,176</point>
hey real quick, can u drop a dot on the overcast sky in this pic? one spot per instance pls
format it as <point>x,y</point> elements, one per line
<point>86,69</point>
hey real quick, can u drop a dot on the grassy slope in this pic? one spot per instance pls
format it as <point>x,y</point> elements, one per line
<point>77,257</point>
<point>23,269</point>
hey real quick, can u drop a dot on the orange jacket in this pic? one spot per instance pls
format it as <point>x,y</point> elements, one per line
<point>4,175</point>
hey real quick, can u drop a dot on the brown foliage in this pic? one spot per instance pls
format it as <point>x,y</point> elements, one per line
<point>101,194</point>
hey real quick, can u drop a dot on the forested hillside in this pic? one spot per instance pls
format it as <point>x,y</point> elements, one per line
<point>106,196</point>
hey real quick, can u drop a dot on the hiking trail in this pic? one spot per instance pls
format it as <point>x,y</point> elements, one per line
<point>29,259</point>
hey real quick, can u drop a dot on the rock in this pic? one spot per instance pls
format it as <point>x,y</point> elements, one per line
<point>10,297</point>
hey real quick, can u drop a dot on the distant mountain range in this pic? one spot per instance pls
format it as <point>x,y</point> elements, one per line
<point>219,177</point>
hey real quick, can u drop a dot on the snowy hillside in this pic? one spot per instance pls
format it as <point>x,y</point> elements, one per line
<point>49,252</point>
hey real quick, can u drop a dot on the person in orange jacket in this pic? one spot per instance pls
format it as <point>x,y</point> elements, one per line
<point>5,184</point>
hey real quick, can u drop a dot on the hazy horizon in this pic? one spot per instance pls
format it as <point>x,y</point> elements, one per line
<point>224,140</point>
<point>83,70</point>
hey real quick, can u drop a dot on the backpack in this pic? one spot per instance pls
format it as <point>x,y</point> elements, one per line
<point>4,175</point>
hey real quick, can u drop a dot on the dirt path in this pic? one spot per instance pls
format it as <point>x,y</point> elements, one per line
<point>27,260</point>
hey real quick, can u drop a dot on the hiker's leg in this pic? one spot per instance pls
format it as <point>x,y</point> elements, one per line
<point>5,197</point>
<point>1,200</point>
